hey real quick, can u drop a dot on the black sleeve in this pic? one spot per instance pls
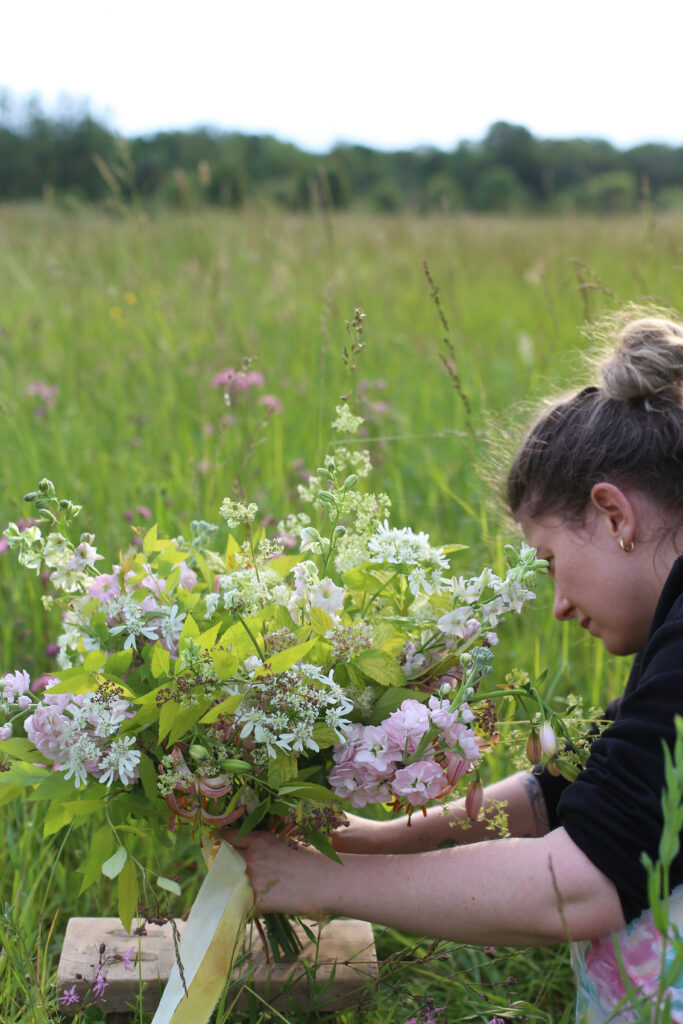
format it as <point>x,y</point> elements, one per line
<point>553,786</point>
<point>613,809</point>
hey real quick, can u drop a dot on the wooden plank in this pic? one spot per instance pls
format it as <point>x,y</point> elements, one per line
<point>343,957</point>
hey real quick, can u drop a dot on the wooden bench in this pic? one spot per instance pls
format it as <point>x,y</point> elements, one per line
<point>344,957</point>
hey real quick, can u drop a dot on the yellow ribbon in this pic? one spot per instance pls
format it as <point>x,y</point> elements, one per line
<point>208,942</point>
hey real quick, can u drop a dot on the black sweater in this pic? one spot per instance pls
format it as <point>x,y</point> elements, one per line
<point>613,810</point>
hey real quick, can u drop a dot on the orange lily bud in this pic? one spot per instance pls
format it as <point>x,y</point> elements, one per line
<point>534,750</point>
<point>473,800</point>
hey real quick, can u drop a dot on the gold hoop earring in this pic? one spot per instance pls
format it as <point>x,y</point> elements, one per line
<point>623,547</point>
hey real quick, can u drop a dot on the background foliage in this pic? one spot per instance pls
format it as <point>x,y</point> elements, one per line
<point>69,155</point>
<point>112,327</point>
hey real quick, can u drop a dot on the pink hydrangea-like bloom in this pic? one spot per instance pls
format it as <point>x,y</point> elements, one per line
<point>419,782</point>
<point>14,684</point>
<point>405,727</point>
<point>105,587</point>
<point>45,727</point>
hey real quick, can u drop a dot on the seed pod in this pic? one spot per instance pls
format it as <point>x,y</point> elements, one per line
<point>474,798</point>
<point>534,750</point>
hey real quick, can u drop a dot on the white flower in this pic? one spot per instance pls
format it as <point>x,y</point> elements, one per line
<point>346,422</point>
<point>403,547</point>
<point>211,602</point>
<point>327,596</point>
<point>120,760</point>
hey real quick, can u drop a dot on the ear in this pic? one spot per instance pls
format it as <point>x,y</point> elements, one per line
<point>615,511</point>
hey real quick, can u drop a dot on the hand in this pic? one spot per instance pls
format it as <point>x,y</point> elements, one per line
<point>284,879</point>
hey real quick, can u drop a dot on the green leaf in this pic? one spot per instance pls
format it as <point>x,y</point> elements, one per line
<point>23,774</point>
<point>149,778</point>
<point>94,661</point>
<point>318,840</point>
<point>324,736</point>
<point>281,769</point>
<point>321,622</point>
<point>284,565</point>
<point>204,570</point>
<point>171,713</point>
<point>149,543</point>
<point>380,667</point>
<point>100,850</point>
<point>112,867</point>
<point>118,663</point>
<point>285,659</point>
<point>392,699</point>
<point>21,749</point>
<point>225,707</point>
<point>169,885</point>
<point>189,716</point>
<point>74,681</point>
<point>224,662</point>
<point>190,629</point>
<point>310,791</point>
<point>208,638</point>
<point>129,894</point>
<point>252,820</point>
<point>161,661</point>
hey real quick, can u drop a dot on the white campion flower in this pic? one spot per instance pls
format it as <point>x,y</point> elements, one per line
<point>57,551</point>
<point>327,596</point>
<point>453,623</point>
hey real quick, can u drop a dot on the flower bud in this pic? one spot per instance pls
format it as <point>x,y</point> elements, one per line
<point>198,753</point>
<point>31,496</point>
<point>534,750</point>
<point>46,486</point>
<point>323,471</point>
<point>235,765</point>
<point>465,659</point>
<point>548,739</point>
<point>474,798</point>
<point>350,482</point>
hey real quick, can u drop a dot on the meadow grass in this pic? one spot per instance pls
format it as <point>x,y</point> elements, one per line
<point>130,317</point>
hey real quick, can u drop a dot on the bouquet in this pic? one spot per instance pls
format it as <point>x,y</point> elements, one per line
<point>263,681</point>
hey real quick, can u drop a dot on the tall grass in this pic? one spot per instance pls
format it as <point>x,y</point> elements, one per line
<point>130,318</point>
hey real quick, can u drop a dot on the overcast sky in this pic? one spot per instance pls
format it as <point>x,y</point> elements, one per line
<point>386,73</point>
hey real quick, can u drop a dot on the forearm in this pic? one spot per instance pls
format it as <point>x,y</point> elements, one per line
<point>519,796</point>
<point>512,892</point>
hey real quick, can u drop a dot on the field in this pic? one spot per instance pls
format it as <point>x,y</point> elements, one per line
<point>112,329</point>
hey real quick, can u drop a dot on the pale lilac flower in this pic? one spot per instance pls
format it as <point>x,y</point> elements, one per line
<point>5,732</point>
<point>546,735</point>
<point>129,956</point>
<point>4,545</point>
<point>144,512</point>
<point>69,997</point>
<point>406,726</point>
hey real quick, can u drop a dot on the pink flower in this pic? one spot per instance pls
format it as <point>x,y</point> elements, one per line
<point>101,984</point>
<point>105,587</point>
<point>5,732</point>
<point>144,512</point>
<point>14,684</point>
<point>129,956</point>
<point>405,727</point>
<point>69,997</point>
<point>223,379</point>
<point>271,402</point>
<point>47,392</point>
<point>4,545</point>
<point>42,682</point>
<point>419,782</point>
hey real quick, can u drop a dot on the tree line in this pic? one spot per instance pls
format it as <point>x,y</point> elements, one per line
<point>71,154</point>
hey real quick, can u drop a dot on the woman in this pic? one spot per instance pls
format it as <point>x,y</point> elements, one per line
<point>597,488</point>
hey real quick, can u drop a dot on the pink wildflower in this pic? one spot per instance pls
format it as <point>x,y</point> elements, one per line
<point>129,956</point>
<point>271,403</point>
<point>47,392</point>
<point>144,512</point>
<point>69,997</point>
<point>42,682</point>
<point>101,984</point>
<point>4,545</point>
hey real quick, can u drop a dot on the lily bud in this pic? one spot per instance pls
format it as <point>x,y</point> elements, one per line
<point>548,739</point>
<point>198,753</point>
<point>473,800</point>
<point>235,765</point>
<point>534,750</point>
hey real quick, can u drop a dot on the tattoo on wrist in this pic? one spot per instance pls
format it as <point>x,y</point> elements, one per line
<point>537,805</point>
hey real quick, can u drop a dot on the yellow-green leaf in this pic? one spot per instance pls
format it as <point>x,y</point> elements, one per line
<point>285,659</point>
<point>320,621</point>
<point>112,867</point>
<point>380,667</point>
<point>324,736</point>
<point>225,707</point>
<point>224,662</point>
<point>129,894</point>
<point>100,851</point>
<point>161,661</point>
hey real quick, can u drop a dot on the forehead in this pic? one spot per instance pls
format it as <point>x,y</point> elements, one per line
<point>545,533</point>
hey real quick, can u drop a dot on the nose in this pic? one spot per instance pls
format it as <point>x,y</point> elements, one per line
<point>562,607</point>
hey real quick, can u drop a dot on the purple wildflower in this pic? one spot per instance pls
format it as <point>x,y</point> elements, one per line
<point>129,956</point>
<point>100,985</point>
<point>69,997</point>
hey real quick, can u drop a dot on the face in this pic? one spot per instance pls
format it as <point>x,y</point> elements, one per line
<point>610,593</point>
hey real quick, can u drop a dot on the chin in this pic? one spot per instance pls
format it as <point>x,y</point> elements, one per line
<point>621,648</point>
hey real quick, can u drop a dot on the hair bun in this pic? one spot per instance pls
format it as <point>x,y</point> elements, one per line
<point>646,361</point>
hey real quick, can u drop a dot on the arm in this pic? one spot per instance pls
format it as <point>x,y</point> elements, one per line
<point>525,808</point>
<point>510,892</point>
